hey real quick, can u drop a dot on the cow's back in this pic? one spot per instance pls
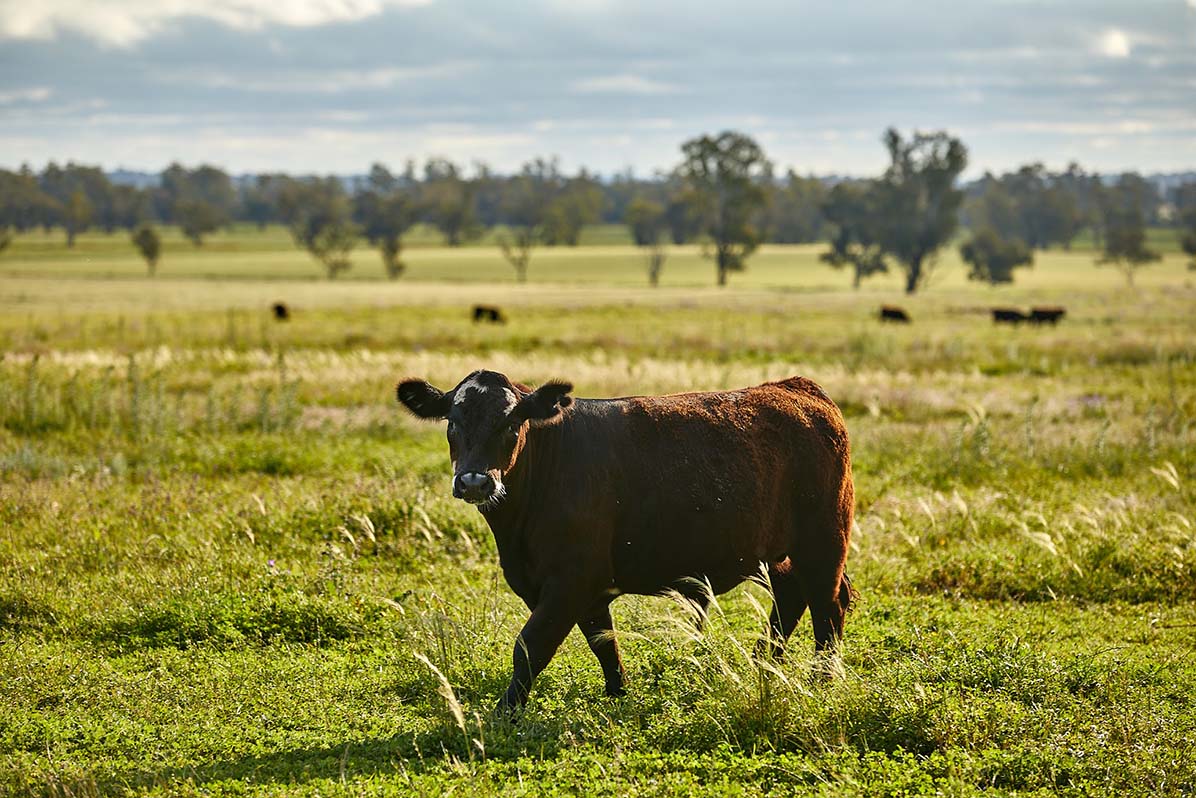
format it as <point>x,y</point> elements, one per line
<point>701,484</point>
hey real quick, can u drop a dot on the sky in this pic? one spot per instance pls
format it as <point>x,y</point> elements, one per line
<point>331,86</point>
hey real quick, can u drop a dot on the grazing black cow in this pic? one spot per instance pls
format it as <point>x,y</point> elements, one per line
<point>281,311</point>
<point>488,313</point>
<point>894,314</point>
<point>1008,316</point>
<point>1047,315</point>
<point>589,499</point>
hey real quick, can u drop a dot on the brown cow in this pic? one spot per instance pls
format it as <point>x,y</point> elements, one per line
<point>1047,315</point>
<point>1009,316</point>
<point>594,498</point>
<point>894,313</point>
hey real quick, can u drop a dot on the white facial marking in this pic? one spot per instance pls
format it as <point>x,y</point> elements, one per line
<point>470,384</point>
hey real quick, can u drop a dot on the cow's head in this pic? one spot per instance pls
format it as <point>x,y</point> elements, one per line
<point>488,416</point>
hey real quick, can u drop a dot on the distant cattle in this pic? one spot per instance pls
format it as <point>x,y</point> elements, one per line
<point>488,313</point>
<point>590,499</point>
<point>1008,316</point>
<point>281,311</point>
<point>894,314</point>
<point>1047,315</point>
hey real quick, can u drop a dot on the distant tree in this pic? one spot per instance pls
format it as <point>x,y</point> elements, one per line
<point>319,217</point>
<point>646,220</point>
<point>259,200</point>
<point>1185,217</point>
<point>1046,213</point>
<point>386,211</point>
<point>197,218</point>
<point>526,201</point>
<point>448,201</point>
<point>851,209</point>
<point>1124,228</point>
<point>725,176</point>
<point>1084,191</point>
<point>146,239</point>
<point>127,208</point>
<point>991,206</point>
<point>578,203</point>
<point>24,205</point>
<point>76,215</point>
<point>795,210</point>
<point>918,200</point>
<point>680,213</point>
<point>332,244</point>
<point>993,258</point>
<point>5,237</point>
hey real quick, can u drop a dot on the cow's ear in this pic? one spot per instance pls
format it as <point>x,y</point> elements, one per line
<point>423,399</point>
<point>545,403</point>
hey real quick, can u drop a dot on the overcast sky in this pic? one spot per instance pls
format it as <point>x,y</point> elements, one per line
<point>333,85</point>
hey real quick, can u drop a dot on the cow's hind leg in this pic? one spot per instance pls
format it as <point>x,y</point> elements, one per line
<point>828,594</point>
<point>788,604</point>
<point>599,630</point>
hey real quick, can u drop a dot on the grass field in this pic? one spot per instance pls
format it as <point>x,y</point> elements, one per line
<point>224,551</point>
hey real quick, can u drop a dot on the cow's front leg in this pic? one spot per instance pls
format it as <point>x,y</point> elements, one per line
<point>541,636</point>
<point>599,630</point>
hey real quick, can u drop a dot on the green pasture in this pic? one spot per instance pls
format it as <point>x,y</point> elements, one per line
<point>606,258</point>
<point>230,566</point>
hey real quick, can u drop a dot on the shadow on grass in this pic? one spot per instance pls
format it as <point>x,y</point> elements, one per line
<point>411,754</point>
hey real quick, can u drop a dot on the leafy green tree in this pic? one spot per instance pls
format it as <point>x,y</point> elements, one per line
<point>795,210</point>
<point>992,207</point>
<point>646,220</point>
<point>1123,222</point>
<point>578,203</point>
<point>1185,216</point>
<point>76,215</point>
<point>526,201</point>
<point>993,258</point>
<point>24,205</point>
<point>918,200</point>
<point>726,176</point>
<point>386,211</point>
<point>319,217</point>
<point>449,202</point>
<point>851,210</point>
<point>680,213</point>
<point>149,244</point>
<point>197,218</point>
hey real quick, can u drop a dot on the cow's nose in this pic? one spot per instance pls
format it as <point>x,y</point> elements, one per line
<point>473,486</point>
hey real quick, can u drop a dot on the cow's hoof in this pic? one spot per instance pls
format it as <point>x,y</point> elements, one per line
<point>616,690</point>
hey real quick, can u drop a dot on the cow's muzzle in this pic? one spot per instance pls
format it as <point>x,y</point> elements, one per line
<point>474,487</point>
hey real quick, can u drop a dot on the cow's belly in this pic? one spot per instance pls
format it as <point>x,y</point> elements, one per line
<point>721,546</point>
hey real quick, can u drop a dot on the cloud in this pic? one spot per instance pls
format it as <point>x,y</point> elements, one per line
<point>37,94</point>
<point>1113,43</point>
<point>123,23</point>
<point>625,83</point>
<point>322,81</point>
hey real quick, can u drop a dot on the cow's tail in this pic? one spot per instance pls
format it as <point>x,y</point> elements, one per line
<point>848,595</point>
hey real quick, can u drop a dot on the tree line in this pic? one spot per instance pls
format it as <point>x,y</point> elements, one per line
<point>724,194</point>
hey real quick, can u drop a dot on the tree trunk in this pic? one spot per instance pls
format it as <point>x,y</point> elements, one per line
<point>859,278</point>
<point>721,264</point>
<point>913,276</point>
<point>70,237</point>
